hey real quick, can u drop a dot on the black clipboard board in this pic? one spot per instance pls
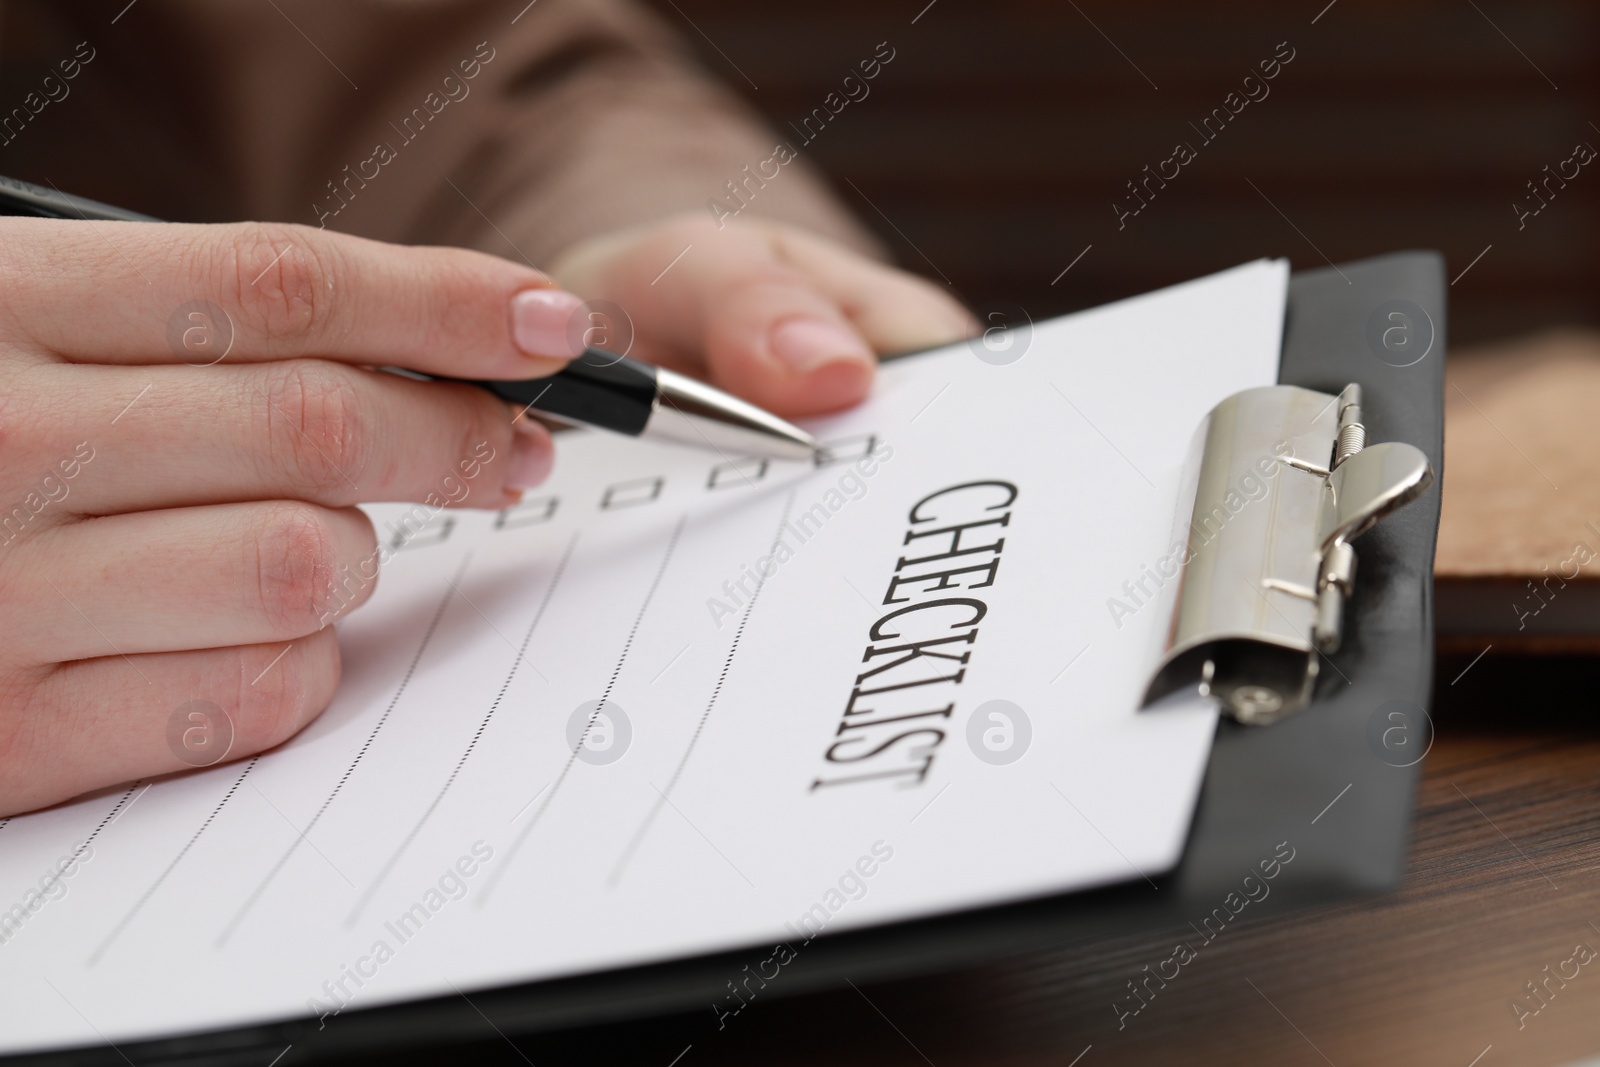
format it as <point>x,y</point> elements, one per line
<point>1336,782</point>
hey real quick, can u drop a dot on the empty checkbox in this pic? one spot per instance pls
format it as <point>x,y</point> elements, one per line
<point>631,494</point>
<point>845,449</point>
<point>408,535</point>
<point>527,513</point>
<point>737,472</point>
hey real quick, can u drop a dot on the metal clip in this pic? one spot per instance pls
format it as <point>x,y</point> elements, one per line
<point>1281,482</point>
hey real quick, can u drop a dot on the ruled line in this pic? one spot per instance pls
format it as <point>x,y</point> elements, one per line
<point>716,691</point>
<point>427,637</point>
<point>116,931</point>
<point>110,818</point>
<point>572,757</point>
<point>522,652</point>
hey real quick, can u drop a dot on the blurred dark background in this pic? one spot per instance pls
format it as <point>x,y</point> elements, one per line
<point>991,150</point>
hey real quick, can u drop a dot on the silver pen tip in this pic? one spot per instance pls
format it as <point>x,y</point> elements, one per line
<point>694,413</point>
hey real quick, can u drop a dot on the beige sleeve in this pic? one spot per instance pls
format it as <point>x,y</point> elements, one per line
<point>512,127</point>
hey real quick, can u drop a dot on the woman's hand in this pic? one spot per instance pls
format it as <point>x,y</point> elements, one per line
<point>185,429</point>
<point>783,318</point>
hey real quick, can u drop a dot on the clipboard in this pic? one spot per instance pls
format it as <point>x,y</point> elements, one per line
<point>1335,781</point>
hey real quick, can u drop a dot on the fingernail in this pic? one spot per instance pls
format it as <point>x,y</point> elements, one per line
<point>539,321</point>
<point>805,344</point>
<point>532,455</point>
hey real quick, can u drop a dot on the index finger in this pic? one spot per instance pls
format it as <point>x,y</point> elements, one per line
<point>136,292</point>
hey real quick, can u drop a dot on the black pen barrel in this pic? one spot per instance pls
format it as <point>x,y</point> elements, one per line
<point>27,199</point>
<point>599,388</point>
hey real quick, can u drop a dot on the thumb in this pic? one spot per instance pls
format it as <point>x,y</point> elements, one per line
<point>787,320</point>
<point>895,311</point>
<point>773,337</point>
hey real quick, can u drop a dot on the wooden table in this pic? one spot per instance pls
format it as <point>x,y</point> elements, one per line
<point>1504,881</point>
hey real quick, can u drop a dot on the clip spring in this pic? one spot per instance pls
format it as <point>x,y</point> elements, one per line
<point>1336,580</point>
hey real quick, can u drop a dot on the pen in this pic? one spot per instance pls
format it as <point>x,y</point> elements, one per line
<point>598,388</point>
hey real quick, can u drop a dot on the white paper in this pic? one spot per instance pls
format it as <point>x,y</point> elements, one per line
<point>329,873</point>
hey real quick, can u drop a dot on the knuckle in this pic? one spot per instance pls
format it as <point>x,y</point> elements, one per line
<point>296,560</point>
<point>765,283</point>
<point>692,225</point>
<point>283,277</point>
<point>276,698</point>
<point>18,755</point>
<point>485,435</point>
<point>321,423</point>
